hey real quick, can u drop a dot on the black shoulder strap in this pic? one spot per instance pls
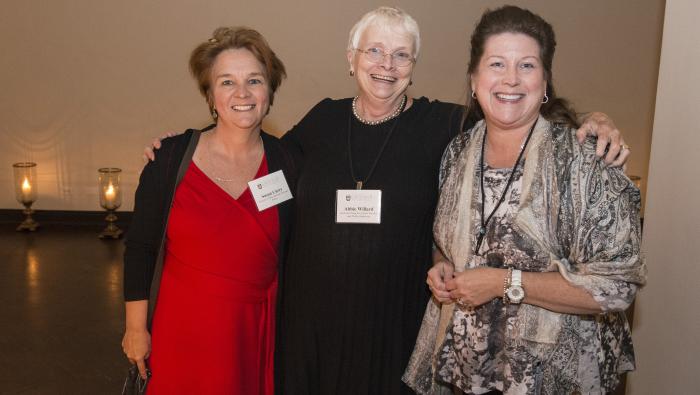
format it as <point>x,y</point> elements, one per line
<point>158,269</point>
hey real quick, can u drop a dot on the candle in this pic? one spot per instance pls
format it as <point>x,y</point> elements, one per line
<point>26,190</point>
<point>110,195</point>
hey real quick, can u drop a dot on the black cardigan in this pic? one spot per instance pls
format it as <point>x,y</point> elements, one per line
<point>153,199</point>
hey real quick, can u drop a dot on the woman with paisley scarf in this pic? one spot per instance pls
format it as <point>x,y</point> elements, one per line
<point>541,240</point>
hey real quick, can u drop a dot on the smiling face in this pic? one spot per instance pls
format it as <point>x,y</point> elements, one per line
<point>239,89</point>
<point>385,81</point>
<point>509,81</point>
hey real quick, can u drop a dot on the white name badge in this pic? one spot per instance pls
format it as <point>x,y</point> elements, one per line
<point>358,206</point>
<point>270,190</point>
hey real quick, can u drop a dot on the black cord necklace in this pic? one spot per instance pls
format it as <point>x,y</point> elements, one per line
<point>482,229</point>
<point>360,183</point>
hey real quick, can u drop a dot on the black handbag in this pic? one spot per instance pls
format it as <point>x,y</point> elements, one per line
<point>134,383</point>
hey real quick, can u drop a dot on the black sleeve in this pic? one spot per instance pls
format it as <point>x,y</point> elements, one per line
<point>282,155</point>
<point>291,149</point>
<point>454,119</point>
<point>470,120</point>
<point>299,136</point>
<point>144,234</point>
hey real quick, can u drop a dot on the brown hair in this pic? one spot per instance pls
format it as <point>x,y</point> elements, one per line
<point>203,57</point>
<point>511,19</point>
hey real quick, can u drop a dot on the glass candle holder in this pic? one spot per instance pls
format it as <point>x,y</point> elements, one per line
<point>26,192</point>
<point>110,199</point>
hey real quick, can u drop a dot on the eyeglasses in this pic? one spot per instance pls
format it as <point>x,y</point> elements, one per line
<point>376,55</point>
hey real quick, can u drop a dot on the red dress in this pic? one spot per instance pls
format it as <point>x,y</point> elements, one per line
<point>213,328</point>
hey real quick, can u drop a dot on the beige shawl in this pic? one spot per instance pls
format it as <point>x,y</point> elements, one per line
<point>583,213</point>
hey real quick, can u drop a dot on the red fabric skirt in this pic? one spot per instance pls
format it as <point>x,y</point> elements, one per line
<point>213,329</point>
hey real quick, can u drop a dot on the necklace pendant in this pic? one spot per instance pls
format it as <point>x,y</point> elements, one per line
<point>482,230</point>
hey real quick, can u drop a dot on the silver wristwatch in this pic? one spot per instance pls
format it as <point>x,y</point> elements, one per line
<point>515,291</point>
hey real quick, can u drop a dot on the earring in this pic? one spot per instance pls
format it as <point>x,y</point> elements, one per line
<point>352,73</point>
<point>410,82</point>
<point>214,114</point>
<point>545,99</point>
<point>473,95</point>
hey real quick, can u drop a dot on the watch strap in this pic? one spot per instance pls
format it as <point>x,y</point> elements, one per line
<point>516,278</point>
<point>506,285</point>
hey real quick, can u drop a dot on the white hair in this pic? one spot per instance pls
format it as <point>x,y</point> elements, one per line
<point>383,17</point>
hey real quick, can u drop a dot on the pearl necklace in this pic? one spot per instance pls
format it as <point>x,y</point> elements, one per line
<point>391,116</point>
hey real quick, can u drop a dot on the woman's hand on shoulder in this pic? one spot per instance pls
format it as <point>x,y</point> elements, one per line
<point>149,152</point>
<point>600,125</point>
<point>137,348</point>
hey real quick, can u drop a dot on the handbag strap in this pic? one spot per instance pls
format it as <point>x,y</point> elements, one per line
<point>158,269</point>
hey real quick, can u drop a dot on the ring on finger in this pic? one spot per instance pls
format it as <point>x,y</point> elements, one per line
<point>624,147</point>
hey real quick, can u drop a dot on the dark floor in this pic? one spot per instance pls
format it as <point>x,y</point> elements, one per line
<point>61,311</point>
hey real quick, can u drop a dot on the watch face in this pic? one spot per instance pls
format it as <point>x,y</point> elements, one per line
<point>515,294</point>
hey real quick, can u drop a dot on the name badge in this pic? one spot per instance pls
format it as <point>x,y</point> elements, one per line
<point>363,206</point>
<point>270,190</point>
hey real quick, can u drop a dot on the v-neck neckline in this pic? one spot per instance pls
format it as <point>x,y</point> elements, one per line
<point>246,192</point>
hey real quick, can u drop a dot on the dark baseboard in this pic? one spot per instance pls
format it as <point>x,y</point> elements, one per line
<point>71,218</point>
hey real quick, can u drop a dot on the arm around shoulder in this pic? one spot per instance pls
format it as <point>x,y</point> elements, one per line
<point>605,255</point>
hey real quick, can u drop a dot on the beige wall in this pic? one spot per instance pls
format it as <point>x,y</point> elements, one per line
<point>87,83</point>
<point>667,318</point>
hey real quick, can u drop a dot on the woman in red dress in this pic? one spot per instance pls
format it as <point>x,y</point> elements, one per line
<point>213,329</point>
